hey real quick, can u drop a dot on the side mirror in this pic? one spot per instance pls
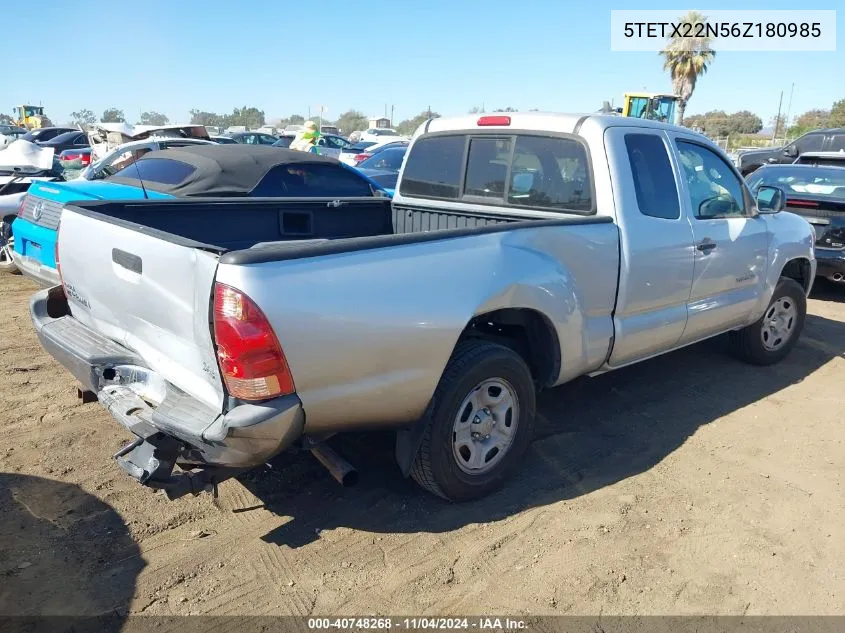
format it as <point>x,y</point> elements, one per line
<point>791,151</point>
<point>770,199</point>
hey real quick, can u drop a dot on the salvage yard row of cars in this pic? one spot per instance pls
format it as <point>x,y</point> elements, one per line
<point>226,302</point>
<point>112,147</point>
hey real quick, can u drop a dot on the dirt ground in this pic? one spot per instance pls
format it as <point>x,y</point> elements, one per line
<point>691,484</point>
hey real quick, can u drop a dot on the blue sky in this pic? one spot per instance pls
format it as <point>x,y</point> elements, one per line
<point>450,54</point>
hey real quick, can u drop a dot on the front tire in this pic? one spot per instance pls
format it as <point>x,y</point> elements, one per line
<point>772,337</point>
<point>479,424</point>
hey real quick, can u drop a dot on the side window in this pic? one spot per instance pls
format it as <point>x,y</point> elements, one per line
<point>550,173</point>
<point>487,167</point>
<point>314,180</point>
<point>837,143</point>
<point>121,161</point>
<point>164,171</point>
<point>81,140</point>
<point>809,143</point>
<point>714,190</point>
<point>433,168</point>
<point>654,181</point>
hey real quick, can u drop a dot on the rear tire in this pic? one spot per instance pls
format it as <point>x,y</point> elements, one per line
<point>479,424</point>
<point>772,337</point>
<point>7,240</point>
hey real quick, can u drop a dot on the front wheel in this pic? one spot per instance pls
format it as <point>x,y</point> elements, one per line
<point>7,244</point>
<point>770,339</point>
<point>479,424</point>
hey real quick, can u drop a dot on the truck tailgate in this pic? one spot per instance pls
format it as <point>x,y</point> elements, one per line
<point>147,293</point>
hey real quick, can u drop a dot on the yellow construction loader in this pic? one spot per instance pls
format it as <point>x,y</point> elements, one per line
<point>646,105</point>
<point>31,117</point>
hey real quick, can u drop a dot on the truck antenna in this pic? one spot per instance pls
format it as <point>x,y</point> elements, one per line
<point>141,180</point>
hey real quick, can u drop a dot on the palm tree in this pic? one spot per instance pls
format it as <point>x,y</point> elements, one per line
<point>686,59</point>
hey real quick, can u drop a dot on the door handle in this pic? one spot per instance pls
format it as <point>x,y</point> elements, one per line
<point>706,246</point>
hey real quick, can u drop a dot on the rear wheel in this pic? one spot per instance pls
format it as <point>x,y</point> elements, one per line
<point>7,244</point>
<point>771,338</point>
<point>479,425</point>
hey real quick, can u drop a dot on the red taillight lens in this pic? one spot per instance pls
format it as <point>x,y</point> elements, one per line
<point>494,120</point>
<point>22,206</point>
<point>361,157</point>
<point>251,359</point>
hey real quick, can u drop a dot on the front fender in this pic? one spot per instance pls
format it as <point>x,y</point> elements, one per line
<point>790,238</point>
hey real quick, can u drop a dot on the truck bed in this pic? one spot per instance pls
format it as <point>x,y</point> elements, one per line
<point>261,230</point>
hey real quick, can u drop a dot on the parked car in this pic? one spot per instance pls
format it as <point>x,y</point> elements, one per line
<point>223,140</point>
<point>13,131</point>
<point>834,159</point>
<point>384,166</point>
<point>362,151</point>
<point>331,145</point>
<point>520,252</point>
<point>285,140</point>
<point>252,138</point>
<point>817,193</point>
<point>21,164</point>
<point>46,133</point>
<point>68,140</point>
<point>116,177</point>
<point>816,141</point>
<point>75,158</point>
<point>378,134</point>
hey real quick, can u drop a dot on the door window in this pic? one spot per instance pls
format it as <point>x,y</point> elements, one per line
<point>713,189</point>
<point>837,143</point>
<point>654,181</point>
<point>809,143</point>
<point>551,173</point>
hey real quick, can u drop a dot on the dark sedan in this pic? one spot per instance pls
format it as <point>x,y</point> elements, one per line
<point>817,193</point>
<point>383,167</point>
<point>68,140</point>
<point>46,133</point>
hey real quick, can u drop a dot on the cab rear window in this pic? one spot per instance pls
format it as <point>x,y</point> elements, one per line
<point>512,170</point>
<point>165,171</point>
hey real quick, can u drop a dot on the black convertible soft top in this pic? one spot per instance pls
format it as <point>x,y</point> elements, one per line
<point>211,170</point>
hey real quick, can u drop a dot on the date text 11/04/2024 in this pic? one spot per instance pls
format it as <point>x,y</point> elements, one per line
<point>433,623</point>
<point>722,29</point>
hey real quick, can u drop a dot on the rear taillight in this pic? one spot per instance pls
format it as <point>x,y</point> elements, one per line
<point>22,206</point>
<point>361,157</point>
<point>251,359</point>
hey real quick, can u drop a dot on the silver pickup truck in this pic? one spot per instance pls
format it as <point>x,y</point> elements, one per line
<point>519,252</point>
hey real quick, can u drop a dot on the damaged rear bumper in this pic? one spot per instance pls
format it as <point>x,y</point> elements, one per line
<point>209,446</point>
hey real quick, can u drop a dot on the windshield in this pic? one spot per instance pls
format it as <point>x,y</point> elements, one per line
<point>818,181</point>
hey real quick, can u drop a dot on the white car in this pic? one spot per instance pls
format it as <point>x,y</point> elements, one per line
<point>378,134</point>
<point>128,153</point>
<point>352,156</point>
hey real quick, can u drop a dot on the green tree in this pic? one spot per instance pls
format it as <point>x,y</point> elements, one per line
<point>409,126</point>
<point>810,120</point>
<point>250,117</point>
<point>113,115</point>
<point>352,121</point>
<point>744,122</point>
<point>153,118</point>
<point>508,109</point>
<point>83,118</point>
<point>686,59</point>
<point>477,110</point>
<point>199,117</point>
<point>837,114</point>
<point>6,119</point>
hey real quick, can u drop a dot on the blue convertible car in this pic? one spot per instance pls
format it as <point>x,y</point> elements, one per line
<point>193,171</point>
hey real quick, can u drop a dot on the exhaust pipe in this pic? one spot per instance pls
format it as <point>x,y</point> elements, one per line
<point>343,472</point>
<point>838,278</point>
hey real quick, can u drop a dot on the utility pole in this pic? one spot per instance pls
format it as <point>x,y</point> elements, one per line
<point>392,122</point>
<point>777,119</point>
<point>788,109</point>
